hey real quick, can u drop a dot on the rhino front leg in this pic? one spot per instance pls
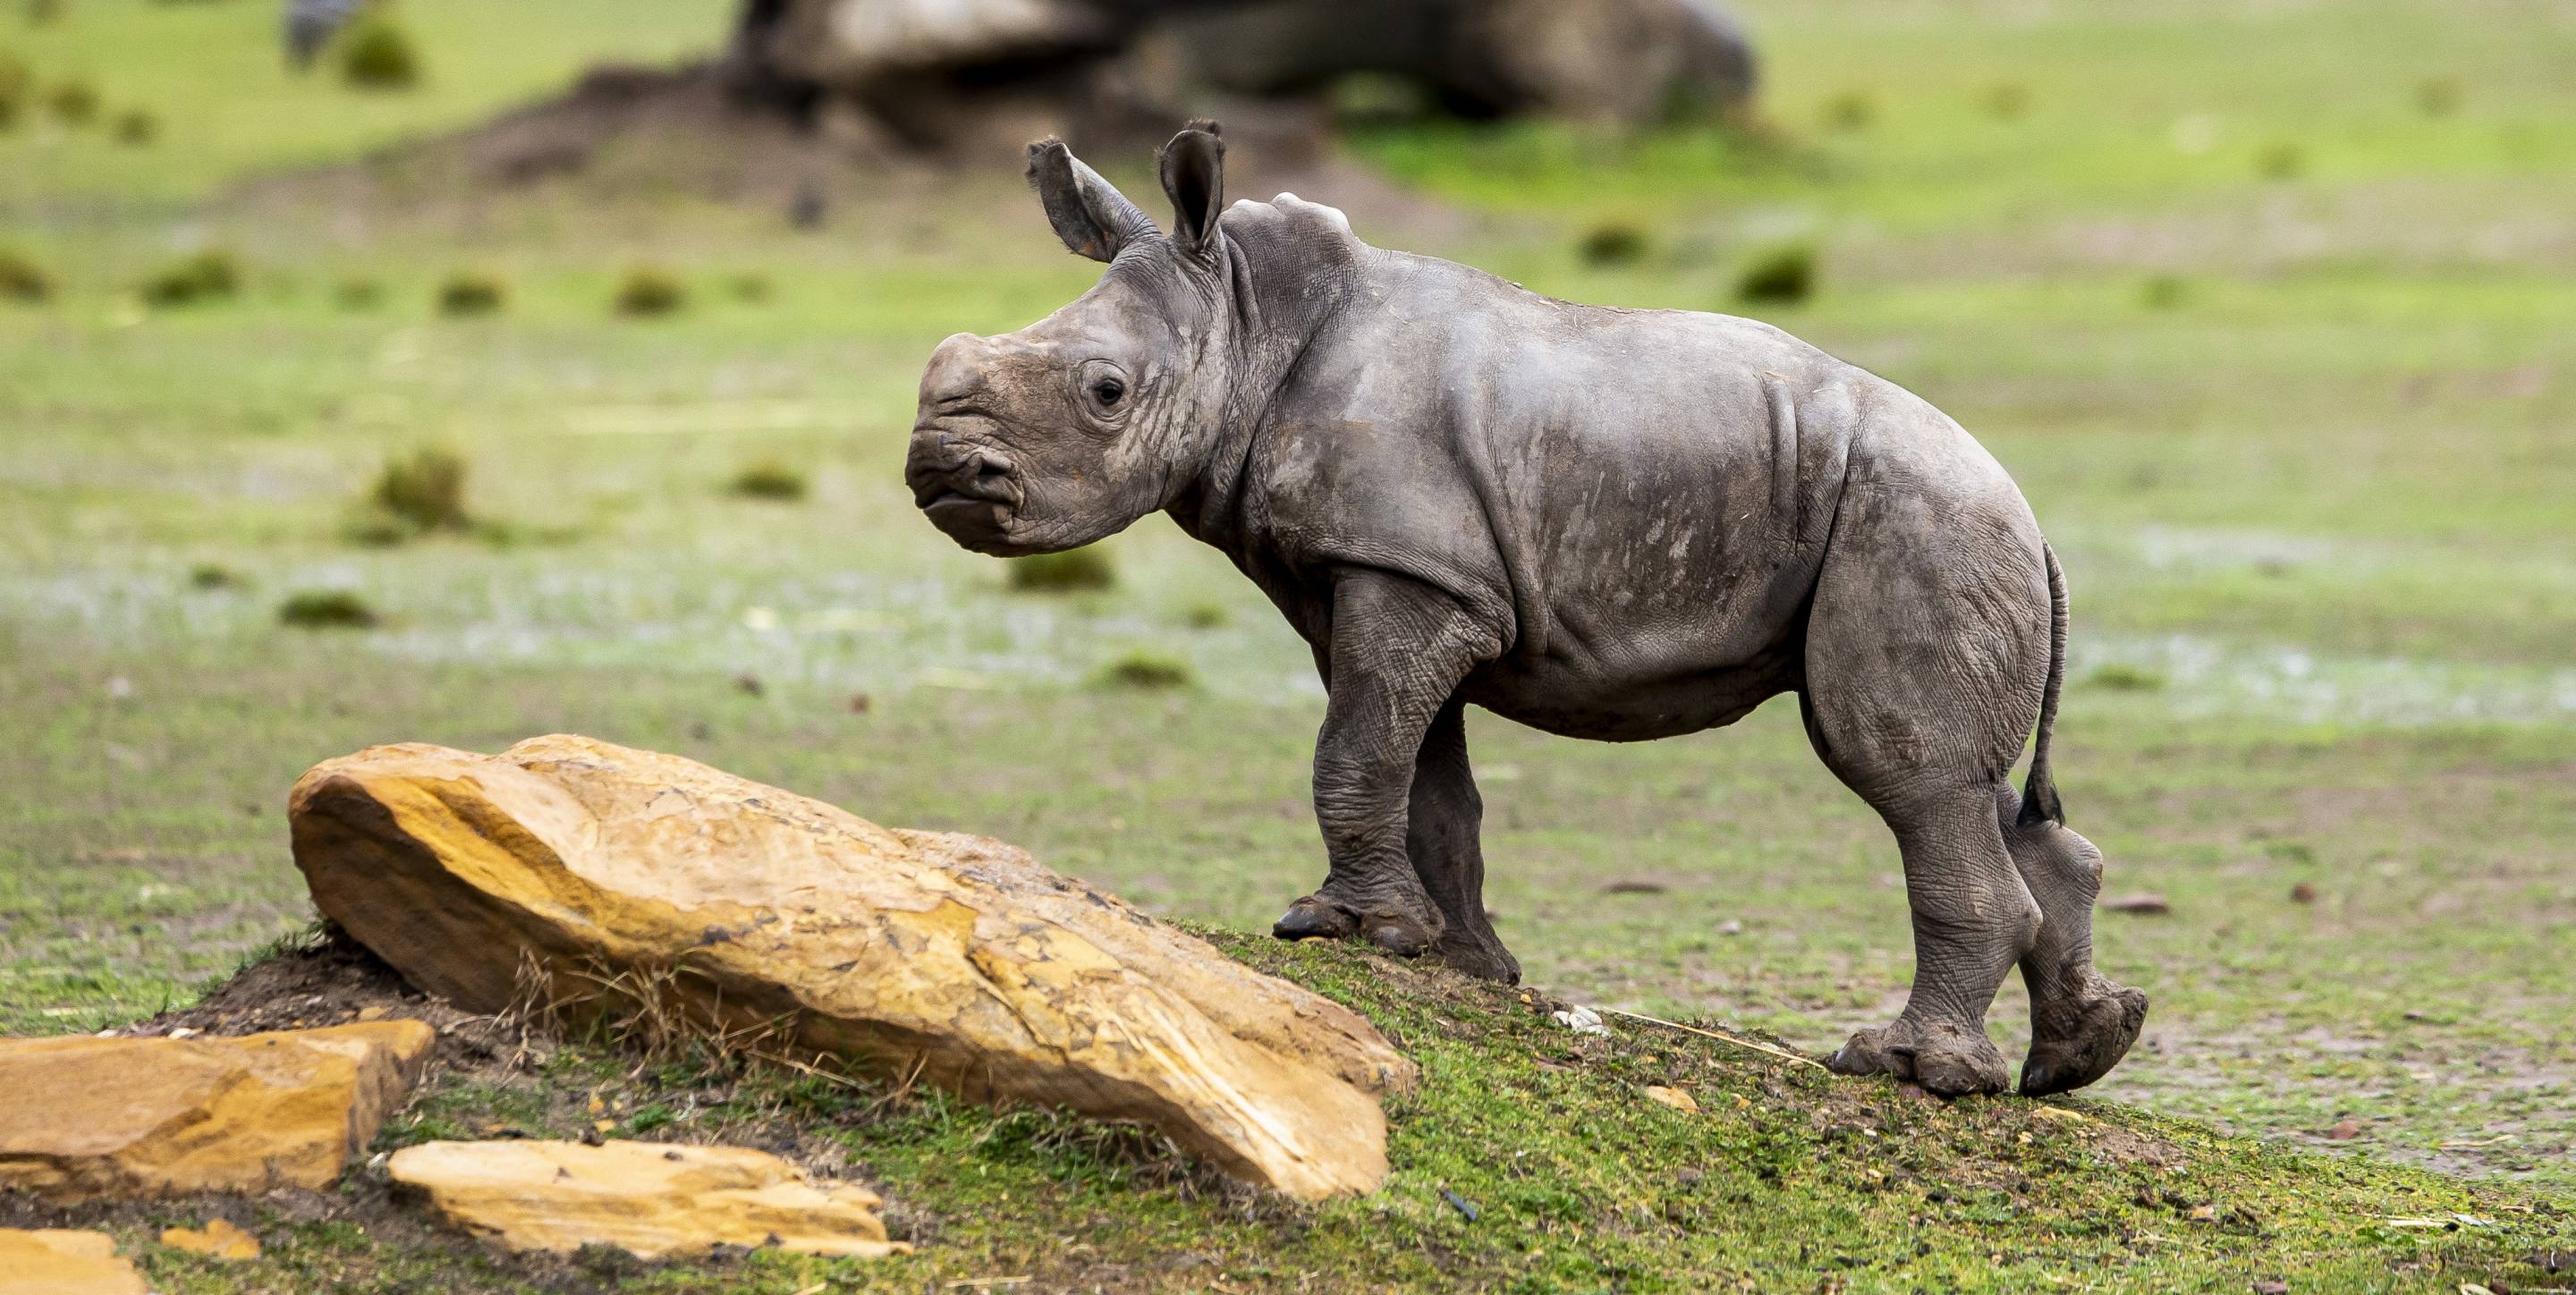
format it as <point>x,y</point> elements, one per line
<point>1398,651</point>
<point>1444,840</point>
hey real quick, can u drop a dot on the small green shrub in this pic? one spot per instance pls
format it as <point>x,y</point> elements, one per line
<point>137,128</point>
<point>1781,276</point>
<point>2280,161</point>
<point>1612,243</point>
<point>23,280</point>
<point>647,292</point>
<point>470,292</point>
<point>2439,96</point>
<point>207,276</point>
<point>1851,110</point>
<point>2117,677</point>
<point>14,84</point>
<point>214,575</point>
<point>74,103</point>
<point>1071,571</point>
<point>377,54</point>
<point>1145,668</point>
<point>326,609</point>
<point>424,489</point>
<point>770,480</point>
<point>2164,291</point>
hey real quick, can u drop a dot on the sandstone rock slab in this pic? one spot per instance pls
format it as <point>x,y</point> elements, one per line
<point>643,1197</point>
<point>90,1118</point>
<point>955,958</point>
<point>52,1262</point>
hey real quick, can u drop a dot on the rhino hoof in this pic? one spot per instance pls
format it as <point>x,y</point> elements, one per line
<point>1400,936</point>
<point>1312,919</point>
<point>2084,1041</point>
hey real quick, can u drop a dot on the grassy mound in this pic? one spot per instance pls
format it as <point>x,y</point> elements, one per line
<point>1532,1158</point>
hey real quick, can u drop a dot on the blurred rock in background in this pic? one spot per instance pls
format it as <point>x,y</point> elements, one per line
<point>965,76</point>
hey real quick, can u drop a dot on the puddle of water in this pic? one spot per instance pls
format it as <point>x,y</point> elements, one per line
<point>2211,677</point>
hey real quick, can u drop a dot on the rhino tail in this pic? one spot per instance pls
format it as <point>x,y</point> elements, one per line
<point>2039,802</point>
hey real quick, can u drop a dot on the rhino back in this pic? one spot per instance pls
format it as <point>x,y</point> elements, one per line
<point>1640,499</point>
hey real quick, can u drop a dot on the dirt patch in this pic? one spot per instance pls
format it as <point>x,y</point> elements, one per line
<point>333,980</point>
<point>628,133</point>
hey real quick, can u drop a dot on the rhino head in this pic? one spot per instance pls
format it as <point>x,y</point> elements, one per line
<point>1074,427</point>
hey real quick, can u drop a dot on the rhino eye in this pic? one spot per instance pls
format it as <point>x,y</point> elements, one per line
<point>1108,391</point>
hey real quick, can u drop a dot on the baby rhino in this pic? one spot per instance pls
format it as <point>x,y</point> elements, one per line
<point>1611,524</point>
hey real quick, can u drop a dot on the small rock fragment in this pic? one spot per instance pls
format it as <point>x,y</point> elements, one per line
<point>2345,1130</point>
<point>2303,893</point>
<point>645,1198</point>
<point>219,1238</point>
<point>52,1262</point>
<point>1581,1020</point>
<point>91,1118</point>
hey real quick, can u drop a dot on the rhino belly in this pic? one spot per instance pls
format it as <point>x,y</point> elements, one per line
<point>1634,696</point>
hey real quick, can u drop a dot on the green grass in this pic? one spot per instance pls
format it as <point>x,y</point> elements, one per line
<point>1528,1159</point>
<point>217,76</point>
<point>2317,495</point>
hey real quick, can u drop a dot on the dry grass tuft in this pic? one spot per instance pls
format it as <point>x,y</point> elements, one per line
<point>1783,276</point>
<point>1071,571</point>
<point>772,481</point>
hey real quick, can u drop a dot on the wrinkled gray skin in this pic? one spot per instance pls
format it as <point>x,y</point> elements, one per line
<point>1612,524</point>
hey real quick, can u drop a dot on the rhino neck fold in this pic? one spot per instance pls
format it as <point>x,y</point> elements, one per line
<point>1281,298</point>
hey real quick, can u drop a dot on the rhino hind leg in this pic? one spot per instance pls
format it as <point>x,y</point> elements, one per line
<point>1972,921</point>
<point>2081,1023</point>
<point>1443,839</point>
<point>1927,647</point>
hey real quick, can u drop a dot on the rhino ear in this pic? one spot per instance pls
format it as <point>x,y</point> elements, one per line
<point>1194,179</point>
<point>1089,214</point>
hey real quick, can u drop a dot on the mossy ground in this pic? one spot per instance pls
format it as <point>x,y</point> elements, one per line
<point>1530,1158</point>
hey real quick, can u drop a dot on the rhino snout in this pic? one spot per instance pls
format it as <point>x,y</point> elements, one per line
<point>967,491</point>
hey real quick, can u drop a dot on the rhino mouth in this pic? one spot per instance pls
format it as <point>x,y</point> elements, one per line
<point>974,522</point>
<point>971,492</point>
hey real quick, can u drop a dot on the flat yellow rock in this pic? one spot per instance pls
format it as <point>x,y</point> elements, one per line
<point>90,1118</point>
<point>647,1198</point>
<point>64,1263</point>
<point>956,955</point>
<point>218,1238</point>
